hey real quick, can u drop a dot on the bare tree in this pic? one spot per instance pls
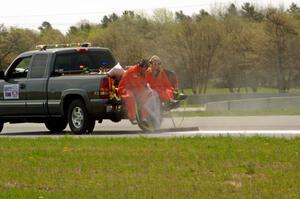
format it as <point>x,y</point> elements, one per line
<point>281,31</point>
<point>195,44</point>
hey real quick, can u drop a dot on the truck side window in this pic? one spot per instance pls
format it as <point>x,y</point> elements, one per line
<point>19,68</point>
<point>63,62</point>
<point>38,66</point>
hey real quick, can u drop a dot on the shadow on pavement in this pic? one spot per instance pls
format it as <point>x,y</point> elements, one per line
<point>46,133</point>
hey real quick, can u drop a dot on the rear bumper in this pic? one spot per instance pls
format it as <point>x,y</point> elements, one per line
<point>102,109</point>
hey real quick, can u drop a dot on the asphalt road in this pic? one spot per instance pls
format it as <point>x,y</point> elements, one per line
<point>189,126</point>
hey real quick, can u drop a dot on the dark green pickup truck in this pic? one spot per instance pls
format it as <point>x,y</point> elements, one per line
<point>52,86</point>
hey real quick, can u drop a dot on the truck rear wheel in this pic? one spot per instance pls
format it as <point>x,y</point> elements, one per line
<point>56,125</point>
<point>79,120</point>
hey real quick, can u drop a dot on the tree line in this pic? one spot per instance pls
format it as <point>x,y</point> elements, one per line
<point>231,48</point>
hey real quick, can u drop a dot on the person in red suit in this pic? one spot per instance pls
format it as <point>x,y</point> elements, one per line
<point>133,88</point>
<point>158,80</point>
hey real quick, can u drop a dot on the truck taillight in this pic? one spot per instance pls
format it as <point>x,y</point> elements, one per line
<point>82,50</point>
<point>105,87</point>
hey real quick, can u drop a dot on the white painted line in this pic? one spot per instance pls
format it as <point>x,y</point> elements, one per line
<point>178,134</point>
<point>241,133</point>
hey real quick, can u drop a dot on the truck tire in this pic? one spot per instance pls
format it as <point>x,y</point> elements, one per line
<point>1,126</point>
<point>56,125</point>
<point>80,121</point>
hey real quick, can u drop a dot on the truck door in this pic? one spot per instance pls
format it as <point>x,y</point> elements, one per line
<point>13,89</point>
<point>36,85</point>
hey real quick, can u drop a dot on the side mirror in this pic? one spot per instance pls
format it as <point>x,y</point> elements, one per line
<point>1,74</point>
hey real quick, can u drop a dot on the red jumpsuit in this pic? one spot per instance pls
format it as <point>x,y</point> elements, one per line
<point>132,89</point>
<point>161,84</point>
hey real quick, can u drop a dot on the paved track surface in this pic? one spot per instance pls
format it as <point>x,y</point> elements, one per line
<point>287,126</point>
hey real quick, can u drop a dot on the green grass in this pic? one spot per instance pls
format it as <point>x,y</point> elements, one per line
<point>221,167</point>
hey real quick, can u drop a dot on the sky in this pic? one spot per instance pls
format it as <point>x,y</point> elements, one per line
<point>65,13</point>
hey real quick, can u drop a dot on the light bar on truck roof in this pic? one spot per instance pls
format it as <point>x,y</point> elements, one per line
<point>44,47</point>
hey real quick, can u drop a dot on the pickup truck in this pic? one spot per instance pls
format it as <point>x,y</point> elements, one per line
<point>51,86</point>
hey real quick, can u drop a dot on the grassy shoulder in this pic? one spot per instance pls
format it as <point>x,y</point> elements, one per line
<point>220,167</point>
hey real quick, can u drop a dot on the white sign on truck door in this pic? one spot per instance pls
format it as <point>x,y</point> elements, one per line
<point>11,91</point>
